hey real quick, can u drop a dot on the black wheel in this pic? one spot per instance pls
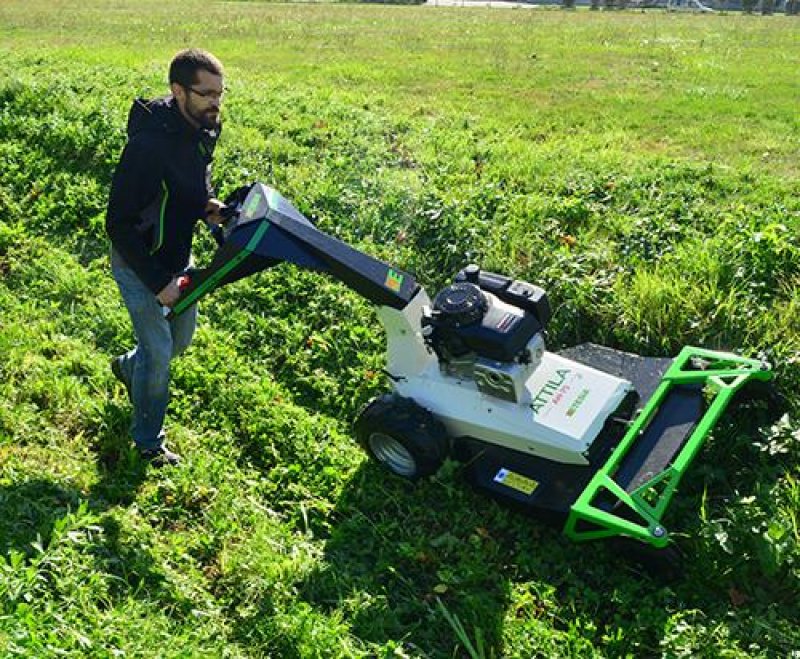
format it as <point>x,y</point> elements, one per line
<point>403,436</point>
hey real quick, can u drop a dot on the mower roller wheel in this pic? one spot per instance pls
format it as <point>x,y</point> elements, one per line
<point>667,564</point>
<point>765,394</point>
<point>402,436</point>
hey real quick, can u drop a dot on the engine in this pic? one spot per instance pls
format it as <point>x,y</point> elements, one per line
<point>488,328</point>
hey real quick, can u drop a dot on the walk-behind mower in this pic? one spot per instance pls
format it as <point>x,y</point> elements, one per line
<point>594,436</point>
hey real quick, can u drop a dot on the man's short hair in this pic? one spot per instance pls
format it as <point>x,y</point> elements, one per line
<point>185,65</point>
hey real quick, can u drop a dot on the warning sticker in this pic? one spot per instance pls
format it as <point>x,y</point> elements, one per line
<point>516,481</point>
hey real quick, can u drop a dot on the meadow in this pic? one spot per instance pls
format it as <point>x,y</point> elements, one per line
<point>640,166</point>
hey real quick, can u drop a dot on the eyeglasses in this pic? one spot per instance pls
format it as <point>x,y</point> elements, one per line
<point>216,96</point>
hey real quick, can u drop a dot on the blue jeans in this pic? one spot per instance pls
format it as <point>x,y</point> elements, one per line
<point>145,369</point>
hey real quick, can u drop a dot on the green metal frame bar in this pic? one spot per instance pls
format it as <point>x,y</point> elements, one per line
<point>211,283</point>
<point>724,375</point>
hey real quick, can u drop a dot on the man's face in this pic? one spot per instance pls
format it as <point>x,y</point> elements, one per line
<point>200,103</point>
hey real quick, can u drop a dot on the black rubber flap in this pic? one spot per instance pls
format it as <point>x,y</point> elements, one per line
<point>544,486</point>
<point>673,422</point>
<point>663,438</point>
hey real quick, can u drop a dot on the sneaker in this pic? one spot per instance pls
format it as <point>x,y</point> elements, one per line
<point>116,369</point>
<point>159,457</point>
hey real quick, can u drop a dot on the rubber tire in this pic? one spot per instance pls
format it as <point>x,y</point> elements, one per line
<point>393,422</point>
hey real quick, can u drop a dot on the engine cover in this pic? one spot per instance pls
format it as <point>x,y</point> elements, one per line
<point>466,320</point>
<point>460,305</point>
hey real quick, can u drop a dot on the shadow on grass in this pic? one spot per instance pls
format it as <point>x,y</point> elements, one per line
<point>32,507</point>
<point>120,471</point>
<point>30,511</point>
<point>440,567</point>
<point>41,516</point>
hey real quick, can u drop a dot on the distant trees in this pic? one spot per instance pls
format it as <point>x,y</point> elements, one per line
<point>609,4</point>
<point>767,7</point>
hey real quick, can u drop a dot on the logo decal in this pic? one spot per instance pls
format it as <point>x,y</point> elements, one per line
<point>578,402</point>
<point>394,280</point>
<point>548,391</point>
<point>506,322</point>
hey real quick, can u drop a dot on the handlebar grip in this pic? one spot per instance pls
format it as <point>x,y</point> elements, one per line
<point>229,211</point>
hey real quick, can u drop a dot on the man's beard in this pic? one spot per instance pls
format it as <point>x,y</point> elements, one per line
<point>208,119</point>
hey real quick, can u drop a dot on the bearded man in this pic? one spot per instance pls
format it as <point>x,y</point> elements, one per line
<point>161,188</point>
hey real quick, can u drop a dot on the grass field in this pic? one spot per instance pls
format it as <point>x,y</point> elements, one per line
<point>642,167</point>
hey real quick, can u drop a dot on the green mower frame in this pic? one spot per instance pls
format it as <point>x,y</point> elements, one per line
<point>722,376</point>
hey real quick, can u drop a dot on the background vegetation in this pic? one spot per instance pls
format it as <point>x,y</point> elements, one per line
<point>642,167</point>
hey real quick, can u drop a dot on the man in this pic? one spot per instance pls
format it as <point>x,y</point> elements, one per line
<point>161,187</point>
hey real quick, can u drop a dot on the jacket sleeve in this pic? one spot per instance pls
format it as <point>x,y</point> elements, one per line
<point>136,183</point>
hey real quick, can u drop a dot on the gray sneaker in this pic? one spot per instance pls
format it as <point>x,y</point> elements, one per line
<point>159,457</point>
<point>116,369</point>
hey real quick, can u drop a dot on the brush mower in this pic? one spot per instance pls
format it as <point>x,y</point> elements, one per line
<point>592,436</point>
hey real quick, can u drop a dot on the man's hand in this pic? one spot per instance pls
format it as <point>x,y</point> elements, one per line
<point>169,295</point>
<point>214,208</point>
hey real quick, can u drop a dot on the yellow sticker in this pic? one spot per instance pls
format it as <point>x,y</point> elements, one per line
<point>516,481</point>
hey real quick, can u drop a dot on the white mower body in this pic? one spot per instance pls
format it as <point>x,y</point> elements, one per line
<point>550,407</point>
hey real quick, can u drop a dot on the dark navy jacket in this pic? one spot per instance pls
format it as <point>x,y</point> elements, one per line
<point>159,191</point>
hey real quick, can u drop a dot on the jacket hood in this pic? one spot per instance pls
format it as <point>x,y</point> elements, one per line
<point>158,115</point>
<point>162,115</point>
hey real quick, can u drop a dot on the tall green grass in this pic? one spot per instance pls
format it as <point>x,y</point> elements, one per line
<point>639,166</point>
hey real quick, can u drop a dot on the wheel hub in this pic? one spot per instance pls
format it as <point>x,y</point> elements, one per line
<point>393,454</point>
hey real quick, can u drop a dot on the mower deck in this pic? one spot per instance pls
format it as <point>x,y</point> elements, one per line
<point>636,464</point>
